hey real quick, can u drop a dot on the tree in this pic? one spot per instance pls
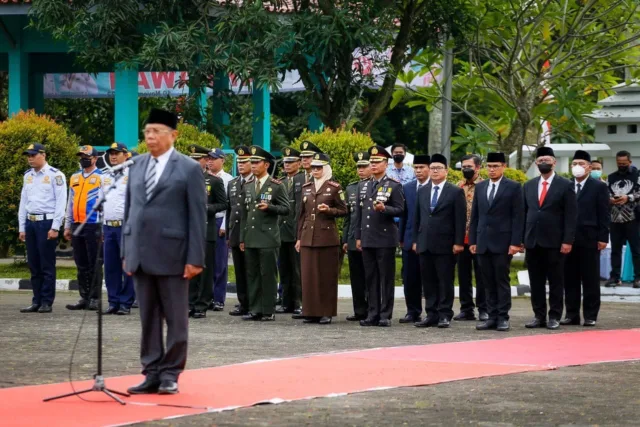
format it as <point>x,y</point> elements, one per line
<point>526,62</point>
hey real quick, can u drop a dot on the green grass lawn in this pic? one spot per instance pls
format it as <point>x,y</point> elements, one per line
<point>20,270</point>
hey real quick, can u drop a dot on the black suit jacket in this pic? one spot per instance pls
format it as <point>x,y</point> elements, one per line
<point>497,226</point>
<point>594,214</point>
<point>553,223</point>
<point>439,230</point>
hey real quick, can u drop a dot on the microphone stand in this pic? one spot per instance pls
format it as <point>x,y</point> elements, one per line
<point>98,384</point>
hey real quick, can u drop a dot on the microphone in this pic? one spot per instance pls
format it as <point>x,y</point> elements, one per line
<point>122,166</point>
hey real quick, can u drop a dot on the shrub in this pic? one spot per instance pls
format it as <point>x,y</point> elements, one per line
<point>339,145</point>
<point>16,134</point>
<point>517,175</point>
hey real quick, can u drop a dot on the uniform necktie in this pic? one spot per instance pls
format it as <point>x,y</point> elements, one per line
<point>150,178</point>
<point>492,194</point>
<point>545,184</point>
<point>257,186</point>
<point>579,188</point>
<point>434,199</point>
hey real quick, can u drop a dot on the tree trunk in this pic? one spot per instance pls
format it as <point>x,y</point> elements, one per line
<point>435,129</point>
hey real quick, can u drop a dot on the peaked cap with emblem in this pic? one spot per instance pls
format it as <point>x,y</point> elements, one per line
<point>162,117</point>
<point>361,158</point>
<point>320,159</point>
<point>117,147</point>
<point>308,149</point>
<point>35,149</point>
<point>259,153</point>
<point>242,153</point>
<point>290,155</point>
<point>87,150</point>
<point>378,153</point>
<point>198,151</point>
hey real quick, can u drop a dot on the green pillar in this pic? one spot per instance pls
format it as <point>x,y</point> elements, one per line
<point>36,94</point>
<point>18,79</point>
<point>315,123</point>
<point>126,107</point>
<point>262,117</point>
<point>220,113</point>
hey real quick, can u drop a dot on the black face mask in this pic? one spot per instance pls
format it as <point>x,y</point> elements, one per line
<point>398,158</point>
<point>623,169</point>
<point>468,173</point>
<point>544,168</point>
<point>85,163</point>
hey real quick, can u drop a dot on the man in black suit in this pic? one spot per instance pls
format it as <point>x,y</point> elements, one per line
<point>550,212</point>
<point>592,234</point>
<point>439,228</point>
<point>495,236</point>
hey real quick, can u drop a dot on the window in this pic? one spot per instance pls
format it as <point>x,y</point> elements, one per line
<point>632,128</point>
<point>611,129</point>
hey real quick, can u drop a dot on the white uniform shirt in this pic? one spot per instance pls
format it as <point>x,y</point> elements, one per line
<point>491,184</point>
<point>43,192</point>
<point>113,207</point>
<point>226,178</point>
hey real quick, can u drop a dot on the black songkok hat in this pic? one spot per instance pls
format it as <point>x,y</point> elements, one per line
<point>439,158</point>
<point>163,117</point>
<point>421,159</point>
<point>496,158</point>
<point>582,155</point>
<point>545,151</point>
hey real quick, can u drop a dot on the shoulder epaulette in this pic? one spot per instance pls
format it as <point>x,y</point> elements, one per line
<point>353,183</point>
<point>253,178</point>
<point>53,169</point>
<point>393,179</point>
<point>27,171</point>
<point>277,181</point>
<point>334,183</point>
<point>308,183</point>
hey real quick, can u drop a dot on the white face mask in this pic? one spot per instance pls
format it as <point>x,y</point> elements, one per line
<point>578,171</point>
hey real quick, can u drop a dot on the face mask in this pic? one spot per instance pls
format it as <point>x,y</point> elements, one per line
<point>578,171</point>
<point>85,163</point>
<point>468,173</point>
<point>623,169</point>
<point>596,174</point>
<point>544,168</point>
<point>398,158</point>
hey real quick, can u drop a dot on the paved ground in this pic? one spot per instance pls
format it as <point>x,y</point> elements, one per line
<point>35,349</point>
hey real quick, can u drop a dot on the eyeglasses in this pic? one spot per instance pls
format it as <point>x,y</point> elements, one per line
<point>154,131</point>
<point>436,168</point>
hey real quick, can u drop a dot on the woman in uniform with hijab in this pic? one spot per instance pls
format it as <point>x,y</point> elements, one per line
<point>318,242</point>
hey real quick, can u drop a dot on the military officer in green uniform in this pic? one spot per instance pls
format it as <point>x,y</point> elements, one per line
<point>200,287</point>
<point>307,150</point>
<point>235,195</point>
<point>289,257</point>
<point>265,199</point>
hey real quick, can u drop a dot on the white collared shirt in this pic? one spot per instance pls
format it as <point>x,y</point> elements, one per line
<point>113,208</point>
<point>540,186</point>
<point>582,184</point>
<point>262,180</point>
<point>43,192</point>
<point>497,184</point>
<point>433,188</point>
<point>163,159</point>
<point>418,185</point>
<point>226,178</point>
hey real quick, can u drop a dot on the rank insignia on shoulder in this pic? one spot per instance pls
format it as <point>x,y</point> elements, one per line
<point>53,169</point>
<point>308,184</point>
<point>277,181</point>
<point>251,179</point>
<point>333,183</point>
<point>393,179</point>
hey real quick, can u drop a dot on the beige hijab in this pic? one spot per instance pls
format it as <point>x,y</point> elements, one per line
<point>327,173</point>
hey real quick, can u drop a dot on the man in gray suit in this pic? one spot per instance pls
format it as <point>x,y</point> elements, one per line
<point>163,248</point>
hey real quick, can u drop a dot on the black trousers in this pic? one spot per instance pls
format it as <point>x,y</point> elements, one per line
<point>620,234</point>
<point>546,264</point>
<point>438,272</point>
<point>495,279</point>
<point>467,262</point>
<point>241,278</point>
<point>582,272</point>
<point>85,250</point>
<point>163,298</point>
<point>412,282</point>
<point>200,287</point>
<point>379,274</point>
<point>290,276</point>
<point>358,287</point>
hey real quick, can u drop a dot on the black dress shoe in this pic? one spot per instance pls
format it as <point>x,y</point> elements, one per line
<point>33,308</point>
<point>483,316</point>
<point>281,310</point>
<point>191,311</point>
<point>410,319</point>
<point>251,316</point>
<point>385,323</point>
<point>123,311</point>
<point>503,325</point>
<point>168,387</point>
<point>199,314</point>
<point>553,324</point>
<point>444,323</point>
<point>369,322</point>
<point>589,323</point>
<point>45,308</point>
<point>135,304</point>
<point>311,320</point>
<point>237,312</point>
<point>297,311</point>
<point>325,320</point>
<point>268,318</point>
<point>536,323</point>
<point>148,386</point>
<point>570,321</point>
<point>80,305</point>
<point>298,316</point>
<point>612,283</point>
<point>93,306</point>
<point>486,325</point>
<point>111,310</point>
<point>355,317</point>
<point>465,315</point>
<point>426,323</point>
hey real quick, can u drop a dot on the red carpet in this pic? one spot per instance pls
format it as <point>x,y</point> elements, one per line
<point>214,389</point>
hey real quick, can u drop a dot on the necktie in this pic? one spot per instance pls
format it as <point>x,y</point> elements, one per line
<point>492,194</point>
<point>257,186</point>
<point>434,199</point>
<point>150,177</point>
<point>579,188</point>
<point>545,184</point>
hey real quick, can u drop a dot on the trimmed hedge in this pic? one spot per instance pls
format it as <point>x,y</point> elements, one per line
<point>517,175</point>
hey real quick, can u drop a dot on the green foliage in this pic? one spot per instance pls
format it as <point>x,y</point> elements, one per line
<point>455,176</point>
<point>90,119</point>
<point>16,134</point>
<point>339,145</point>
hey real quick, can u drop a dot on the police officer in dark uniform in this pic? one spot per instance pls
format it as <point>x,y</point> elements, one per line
<point>289,264</point>
<point>235,195</point>
<point>42,205</point>
<point>377,235</point>
<point>201,286</point>
<point>356,266</point>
